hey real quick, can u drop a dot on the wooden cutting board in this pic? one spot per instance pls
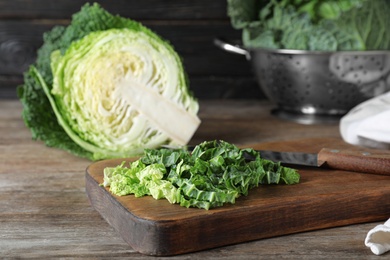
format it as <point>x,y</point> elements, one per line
<point>323,199</point>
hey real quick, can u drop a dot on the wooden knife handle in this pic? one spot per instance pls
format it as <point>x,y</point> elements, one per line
<point>371,161</point>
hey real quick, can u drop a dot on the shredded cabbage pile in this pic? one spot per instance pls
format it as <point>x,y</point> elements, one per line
<point>214,173</point>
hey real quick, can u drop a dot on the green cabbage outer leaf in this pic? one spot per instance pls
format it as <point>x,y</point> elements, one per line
<point>215,173</point>
<point>316,25</point>
<point>105,87</point>
<point>243,13</point>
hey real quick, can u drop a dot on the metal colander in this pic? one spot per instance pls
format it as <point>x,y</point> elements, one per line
<point>316,87</point>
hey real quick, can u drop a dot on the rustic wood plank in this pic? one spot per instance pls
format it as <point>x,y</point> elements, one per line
<point>45,213</point>
<point>8,86</point>
<point>225,87</point>
<point>146,9</point>
<point>18,44</point>
<point>253,123</point>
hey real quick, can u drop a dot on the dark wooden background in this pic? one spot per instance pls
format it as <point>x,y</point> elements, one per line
<point>190,25</point>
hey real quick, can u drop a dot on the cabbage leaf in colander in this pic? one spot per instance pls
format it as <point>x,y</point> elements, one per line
<point>316,25</point>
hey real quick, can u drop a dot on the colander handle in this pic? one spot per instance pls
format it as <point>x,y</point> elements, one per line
<point>231,48</point>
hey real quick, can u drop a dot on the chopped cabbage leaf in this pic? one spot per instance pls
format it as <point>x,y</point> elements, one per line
<point>215,173</point>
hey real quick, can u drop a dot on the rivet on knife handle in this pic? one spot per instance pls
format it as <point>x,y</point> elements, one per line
<point>357,161</point>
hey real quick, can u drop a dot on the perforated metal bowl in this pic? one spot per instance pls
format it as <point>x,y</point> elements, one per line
<point>317,87</point>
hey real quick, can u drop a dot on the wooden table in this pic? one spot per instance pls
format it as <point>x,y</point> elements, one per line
<point>45,213</point>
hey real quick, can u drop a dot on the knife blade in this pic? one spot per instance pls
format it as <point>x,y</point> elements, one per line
<point>363,161</point>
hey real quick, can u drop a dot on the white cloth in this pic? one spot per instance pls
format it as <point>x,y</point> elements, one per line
<point>368,124</point>
<point>378,238</point>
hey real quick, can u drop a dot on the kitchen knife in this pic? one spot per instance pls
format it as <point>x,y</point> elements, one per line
<point>370,161</point>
